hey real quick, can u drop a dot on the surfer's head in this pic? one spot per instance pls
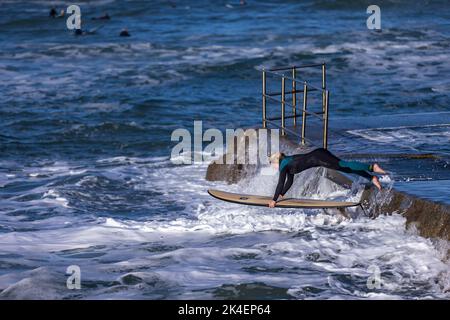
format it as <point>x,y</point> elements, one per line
<point>52,12</point>
<point>275,159</point>
<point>124,33</point>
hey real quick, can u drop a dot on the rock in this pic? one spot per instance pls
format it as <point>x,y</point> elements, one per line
<point>233,173</point>
<point>432,220</point>
<point>230,173</point>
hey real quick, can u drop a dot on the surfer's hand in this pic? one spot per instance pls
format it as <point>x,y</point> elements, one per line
<point>272,204</point>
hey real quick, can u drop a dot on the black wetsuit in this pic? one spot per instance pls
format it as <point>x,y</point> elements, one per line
<point>290,165</point>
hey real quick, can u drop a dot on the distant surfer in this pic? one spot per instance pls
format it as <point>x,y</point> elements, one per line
<point>81,32</point>
<point>103,17</point>
<point>288,166</point>
<point>124,33</point>
<point>53,13</point>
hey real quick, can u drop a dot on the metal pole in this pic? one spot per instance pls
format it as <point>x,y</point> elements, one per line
<point>294,96</point>
<point>264,101</point>
<point>325,120</point>
<point>324,86</point>
<point>305,100</point>
<point>324,81</point>
<point>283,101</point>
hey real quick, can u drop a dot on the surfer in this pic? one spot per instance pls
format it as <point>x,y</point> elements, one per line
<point>81,32</point>
<point>104,17</point>
<point>124,33</point>
<point>288,166</point>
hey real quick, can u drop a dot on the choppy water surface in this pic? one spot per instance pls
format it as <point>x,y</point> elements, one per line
<point>85,174</point>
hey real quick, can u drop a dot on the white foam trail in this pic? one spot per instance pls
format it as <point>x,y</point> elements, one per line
<point>407,136</point>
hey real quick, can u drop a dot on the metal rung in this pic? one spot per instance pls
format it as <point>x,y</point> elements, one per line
<point>296,67</point>
<point>316,114</point>
<point>289,92</point>
<point>296,80</point>
<point>296,116</point>
<point>288,117</point>
<point>289,130</point>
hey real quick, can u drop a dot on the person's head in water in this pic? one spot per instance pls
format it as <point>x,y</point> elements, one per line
<point>103,17</point>
<point>78,32</point>
<point>276,158</point>
<point>124,33</point>
<point>52,12</point>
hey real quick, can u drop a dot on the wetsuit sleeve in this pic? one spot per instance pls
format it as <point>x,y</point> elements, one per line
<point>287,186</point>
<point>280,184</point>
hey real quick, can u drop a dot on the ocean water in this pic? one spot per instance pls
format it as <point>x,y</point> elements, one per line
<point>85,171</point>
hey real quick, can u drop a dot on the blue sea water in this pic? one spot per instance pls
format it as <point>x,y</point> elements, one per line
<point>85,174</point>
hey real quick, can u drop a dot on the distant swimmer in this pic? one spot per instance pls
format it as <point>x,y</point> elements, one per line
<point>52,13</point>
<point>288,166</point>
<point>124,33</point>
<point>103,17</point>
<point>81,32</point>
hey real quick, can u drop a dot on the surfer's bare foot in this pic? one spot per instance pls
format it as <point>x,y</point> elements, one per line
<point>272,204</point>
<point>376,182</point>
<point>378,169</point>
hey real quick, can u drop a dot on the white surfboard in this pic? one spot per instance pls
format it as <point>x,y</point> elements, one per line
<point>254,200</point>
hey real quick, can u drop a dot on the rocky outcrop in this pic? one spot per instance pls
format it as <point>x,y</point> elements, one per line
<point>230,173</point>
<point>430,219</point>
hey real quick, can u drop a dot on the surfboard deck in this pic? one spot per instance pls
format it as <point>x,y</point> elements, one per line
<point>254,200</point>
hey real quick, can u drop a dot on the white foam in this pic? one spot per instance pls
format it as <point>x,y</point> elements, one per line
<point>215,242</point>
<point>409,136</point>
<point>52,196</point>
